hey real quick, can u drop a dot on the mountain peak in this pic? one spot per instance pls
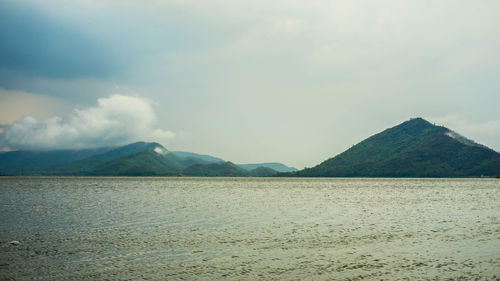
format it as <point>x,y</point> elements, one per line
<point>414,148</point>
<point>416,123</point>
<point>417,120</point>
<point>140,145</point>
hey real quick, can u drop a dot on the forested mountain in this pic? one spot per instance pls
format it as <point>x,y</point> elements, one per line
<point>415,148</point>
<point>136,159</point>
<point>274,166</point>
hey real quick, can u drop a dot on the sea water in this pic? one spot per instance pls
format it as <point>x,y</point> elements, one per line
<point>248,229</point>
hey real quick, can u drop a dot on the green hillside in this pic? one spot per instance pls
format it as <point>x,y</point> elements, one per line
<point>263,172</point>
<point>146,159</point>
<point>137,159</point>
<point>415,148</point>
<point>37,162</point>
<point>273,165</point>
<point>225,169</point>
<point>197,157</point>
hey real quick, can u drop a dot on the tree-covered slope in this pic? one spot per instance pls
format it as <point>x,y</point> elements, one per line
<point>136,159</point>
<point>195,157</point>
<point>263,172</point>
<point>415,148</point>
<point>38,162</point>
<point>273,165</point>
<point>225,169</point>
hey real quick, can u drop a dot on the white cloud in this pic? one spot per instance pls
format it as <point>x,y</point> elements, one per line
<point>327,73</point>
<point>485,133</point>
<point>116,120</point>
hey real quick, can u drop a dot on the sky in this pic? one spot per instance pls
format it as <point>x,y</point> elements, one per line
<point>254,81</point>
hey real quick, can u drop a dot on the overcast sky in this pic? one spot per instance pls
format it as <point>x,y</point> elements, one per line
<point>248,81</point>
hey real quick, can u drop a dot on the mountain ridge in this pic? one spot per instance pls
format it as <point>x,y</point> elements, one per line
<point>135,159</point>
<point>414,148</point>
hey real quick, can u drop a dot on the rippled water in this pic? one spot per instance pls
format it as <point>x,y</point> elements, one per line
<point>240,229</point>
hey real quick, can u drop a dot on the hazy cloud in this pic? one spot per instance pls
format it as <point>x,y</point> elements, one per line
<point>114,121</point>
<point>486,133</point>
<point>14,105</point>
<point>276,80</point>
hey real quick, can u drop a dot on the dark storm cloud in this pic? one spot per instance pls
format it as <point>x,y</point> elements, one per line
<point>226,74</point>
<point>35,44</point>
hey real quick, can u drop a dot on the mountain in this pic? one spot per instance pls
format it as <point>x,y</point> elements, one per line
<point>274,166</point>
<point>225,169</point>
<point>136,159</point>
<point>195,157</point>
<point>36,162</point>
<point>263,172</point>
<point>415,148</point>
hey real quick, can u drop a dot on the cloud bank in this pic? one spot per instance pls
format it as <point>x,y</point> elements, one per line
<point>115,120</point>
<point>14,105</point>
<point>295,81</point>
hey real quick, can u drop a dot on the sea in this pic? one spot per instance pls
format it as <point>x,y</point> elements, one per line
<point>130,228</point>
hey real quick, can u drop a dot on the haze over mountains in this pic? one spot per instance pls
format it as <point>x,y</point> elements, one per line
<point>136,159</point>
<point>415,148</point>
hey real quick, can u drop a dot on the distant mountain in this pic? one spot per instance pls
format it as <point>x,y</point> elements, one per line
<point>136,159</point>
<point>415,148</point>
<point>37,162</point>
<point>275,166</point>
<point>263,172</point>
<point>224,169</point>
<point>196,158</point>
<point>227,169</point>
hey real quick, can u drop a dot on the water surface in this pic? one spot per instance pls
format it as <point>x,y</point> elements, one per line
<point>244,228</point>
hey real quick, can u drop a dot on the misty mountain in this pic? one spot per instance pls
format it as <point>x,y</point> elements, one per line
<point>415,148</point>
<point>261,171</point>
<point>136,159</point>
<point>224,169</point>
<point>33,162</point>
<point>271,168</point>
<point>274,166</point>
<point>196,158</point>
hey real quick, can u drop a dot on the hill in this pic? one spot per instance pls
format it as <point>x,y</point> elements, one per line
<point>224,169</point>
<point>263,172</point>
<point>37,162</point>
<point>135,159</point>
<point>415,148</point>
<point>270,168</point>
<point>274,166</point>
<point>195,157</point>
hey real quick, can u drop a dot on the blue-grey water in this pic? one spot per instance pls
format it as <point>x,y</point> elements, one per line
<point>249,229</point>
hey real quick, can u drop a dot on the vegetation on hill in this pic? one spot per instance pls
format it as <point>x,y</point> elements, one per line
<point>36,162</point>
<point>274,166</point>
<point>415,148</point>
<point>263,172</point>
<point>226,169</point>
<point>197,157</point>
<point>136,159</point>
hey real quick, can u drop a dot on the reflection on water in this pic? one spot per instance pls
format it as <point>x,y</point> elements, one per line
<point>234,228</point>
